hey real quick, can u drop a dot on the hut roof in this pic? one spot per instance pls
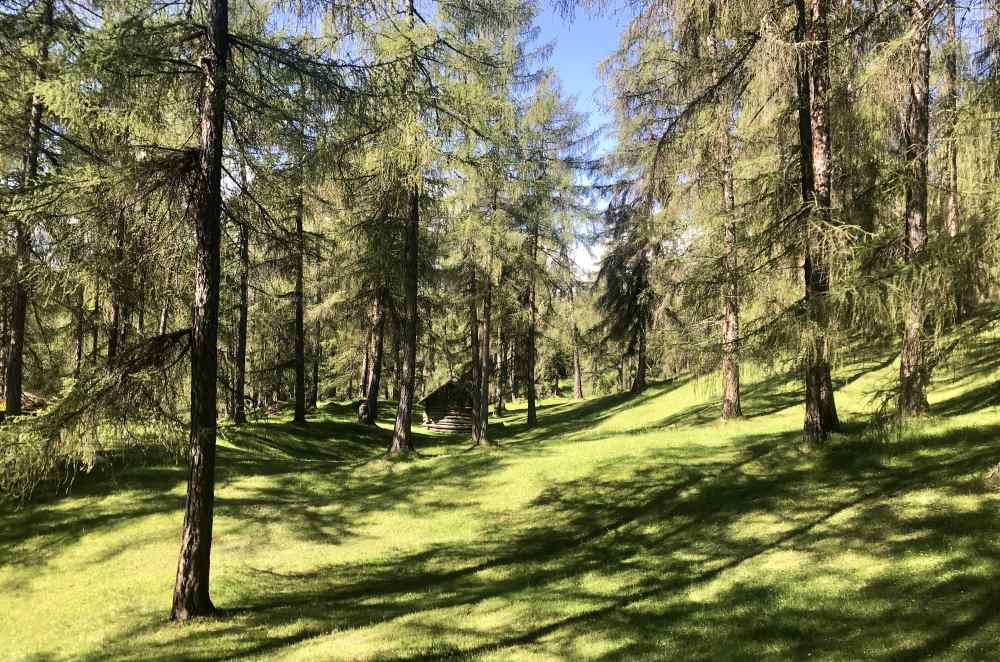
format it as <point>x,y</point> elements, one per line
<point>455,391</point>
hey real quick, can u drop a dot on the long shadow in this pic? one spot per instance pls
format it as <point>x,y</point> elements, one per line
<point>679,525</point>
<point>570,418</point>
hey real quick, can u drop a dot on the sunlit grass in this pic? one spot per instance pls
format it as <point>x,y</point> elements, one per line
<point>620,528</point>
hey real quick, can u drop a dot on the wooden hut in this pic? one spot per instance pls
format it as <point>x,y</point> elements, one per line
<point>448,408</point>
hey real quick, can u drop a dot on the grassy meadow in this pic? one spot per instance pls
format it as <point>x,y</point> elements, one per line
<point>618,529</point>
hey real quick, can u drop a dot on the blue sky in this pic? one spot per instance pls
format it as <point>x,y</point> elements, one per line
<point>581,43</point>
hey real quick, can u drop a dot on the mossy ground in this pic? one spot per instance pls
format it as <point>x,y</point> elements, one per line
<point>619,528</point>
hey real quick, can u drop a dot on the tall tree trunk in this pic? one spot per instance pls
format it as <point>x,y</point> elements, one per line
<point>191,595</point>
<point>621,373</point>
<point>300,329</point>
<point>397,364</point>
<point>402,440</point>
<point>502,368</point>
<point>815,145</point>
<point>639,380</point>
<point>370,409</point>
<point>950,94</point>
<point>14,378</point>
<point>79,314</point>
<point>577,366</point>
<point>365,367</point>
<point>118,291</point>
<point>731,407</point>
<point>95,329</point>
<point>913,369</point>
<point>532,331</point>
<point>239,386</point>
<point>317,353</point>
<point>4,344</point>
<point>486,363</point>
<point>473,330</point>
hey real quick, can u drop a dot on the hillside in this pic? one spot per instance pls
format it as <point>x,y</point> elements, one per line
<point>620,528</point>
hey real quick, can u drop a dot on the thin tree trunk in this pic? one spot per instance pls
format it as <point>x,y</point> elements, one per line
<point>370,408</point>
<point>815,145</point>
<point>161,328</point>
<point>79,314</point>
<point>191,595</point>
<point>396,357</point>
<point>14,378</point>
<point>501,380</point>
<point>300,329</point>
<point>950,94</point>
<point>365,367</point>
<point>477,376</point>
<point>402,440</point>
<point>577,367</point>
<point>486,364</point>
<point>913,369</point>
<point>95,329</point>
<point>731,407</point>
<point>621,373</point>
<point>639,380</point>
<point>317,353</point>
<point>239,387</point>
<point>532,331</point>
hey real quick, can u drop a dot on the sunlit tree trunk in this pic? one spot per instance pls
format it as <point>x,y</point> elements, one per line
<point>402,441</point>
<point>14,378</point>
<point>243,305</point>
<point>370,409</point>
<point>815,150</point>
<point>950,94</point>
<point>529,368</point>
<point>486,363</point>
<point>731,407</point>
<point>913,369</point>
<point>472,324</point>
<point>300,328</point>
<point>577,367</point>
<point>639,379</point>
<point>191,590</point>
<point>79,314</point>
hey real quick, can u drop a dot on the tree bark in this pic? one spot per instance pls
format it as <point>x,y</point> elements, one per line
<point>191,590</point>
<point>731,407</point>
<point>300,329</point>
<point>476,367</point>
<point>532,419</point>
<point>639,379</point>
<point>501,371</point>
<point>577,367</point>
<point>913,369</point>
<point>79,313</point>
<point>950,94</point>
<point>366,366</point>
<point>815,146</point>
<point>95,329</point>
<point>239,386</point>
<point>370,410</point>
<point>14,378</point>
<point>402,439</point>
<point>486,364</point>
<point>317,353</point>
<point>397,364</point>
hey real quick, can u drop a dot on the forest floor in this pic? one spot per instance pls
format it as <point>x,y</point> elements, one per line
<point>619,528</point>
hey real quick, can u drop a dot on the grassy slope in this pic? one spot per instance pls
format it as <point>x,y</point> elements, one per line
<point>619,529</point>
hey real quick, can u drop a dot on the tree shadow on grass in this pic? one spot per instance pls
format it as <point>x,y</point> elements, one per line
<point>776,554</point>
<point>566,419</point>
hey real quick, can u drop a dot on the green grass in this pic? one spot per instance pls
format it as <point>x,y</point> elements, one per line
<point>620,528</point>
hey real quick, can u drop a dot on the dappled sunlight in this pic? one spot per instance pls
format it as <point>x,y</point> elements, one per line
<point>706,541</point>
